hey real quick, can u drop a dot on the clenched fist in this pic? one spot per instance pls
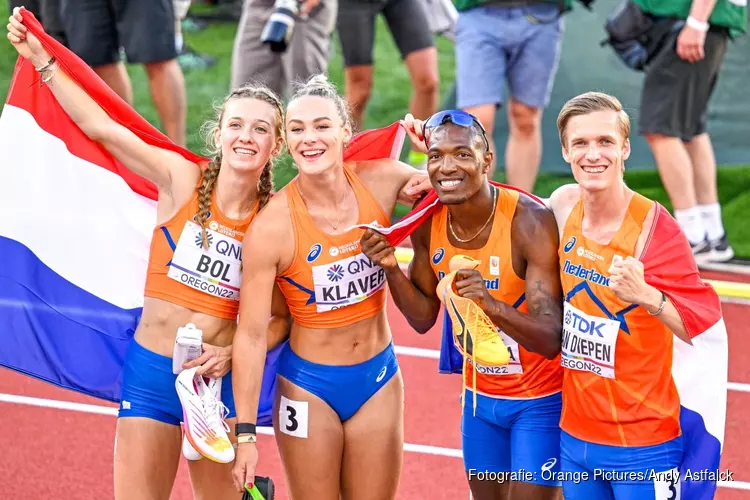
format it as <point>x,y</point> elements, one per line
<point>627,281</point>
<point>378,249</point>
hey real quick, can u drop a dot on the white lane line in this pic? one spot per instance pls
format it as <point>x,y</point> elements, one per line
<point>112,412</point>
<point>109,411</point>
<point>420,352</point>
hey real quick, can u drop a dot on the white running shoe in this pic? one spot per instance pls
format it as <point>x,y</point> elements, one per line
<point>190,453</point>
<point>203,418</point>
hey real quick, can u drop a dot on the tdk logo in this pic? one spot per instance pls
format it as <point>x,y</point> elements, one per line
<point>584,325</point>
<point>570,244</point>
<point>438,255</point>
<point>314,252</point>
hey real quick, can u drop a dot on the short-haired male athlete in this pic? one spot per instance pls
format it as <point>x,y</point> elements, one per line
<point>511,413</point>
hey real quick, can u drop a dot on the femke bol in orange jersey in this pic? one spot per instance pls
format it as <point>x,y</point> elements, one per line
<point>338,412</point>
<point>621,409</point>
<point>196,204</point>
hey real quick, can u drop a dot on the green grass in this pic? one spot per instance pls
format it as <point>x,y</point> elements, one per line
<point>389,102</point>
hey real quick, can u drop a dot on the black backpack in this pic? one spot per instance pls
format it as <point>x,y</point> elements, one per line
<point>636,36</point>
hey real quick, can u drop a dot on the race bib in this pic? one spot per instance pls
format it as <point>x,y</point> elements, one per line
<point>513,367</point>
<point>214,270</point>
<point>346,282</point>
<point>667,485</point>
<point>589,342</point>
<point>293,417</point>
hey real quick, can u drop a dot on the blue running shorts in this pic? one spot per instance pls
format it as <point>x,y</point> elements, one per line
<point>148,387</point>
<point>605,472</point>
<point>344,388</point>
<point>521,436</point>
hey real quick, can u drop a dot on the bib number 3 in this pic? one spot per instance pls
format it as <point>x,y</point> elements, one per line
<point>667,485</point>
<point>293,417</point>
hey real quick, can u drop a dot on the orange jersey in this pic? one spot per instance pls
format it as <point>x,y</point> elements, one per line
<point>617,386</point>
<point>182,272</point>
<point>330,282</point>
<point>528,375</point>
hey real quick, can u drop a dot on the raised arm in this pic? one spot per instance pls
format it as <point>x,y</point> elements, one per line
<point>152,163</point>
<point>392,181</point>
<point>414,296</point>
<point>534,236</point>
<point>259,263</point>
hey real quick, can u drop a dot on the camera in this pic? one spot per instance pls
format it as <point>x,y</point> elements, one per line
<point>277,32</point>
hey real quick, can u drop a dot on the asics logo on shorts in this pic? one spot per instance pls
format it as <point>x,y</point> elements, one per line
<point>381,374</point>
<point>549,464</point>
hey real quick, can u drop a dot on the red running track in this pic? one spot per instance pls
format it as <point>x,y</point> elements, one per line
<point>54,453</point>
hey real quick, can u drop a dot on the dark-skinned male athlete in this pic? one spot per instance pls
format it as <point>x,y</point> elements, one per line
<point>511,438</point>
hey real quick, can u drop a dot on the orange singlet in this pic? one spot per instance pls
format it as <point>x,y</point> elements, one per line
<point>182,272</point>
<point>617,388</point>
<point>528,375</point>
<point>330,282</point>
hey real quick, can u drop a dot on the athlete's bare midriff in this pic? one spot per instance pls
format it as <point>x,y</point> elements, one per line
<point>342,346</point>
<point>160,321</point>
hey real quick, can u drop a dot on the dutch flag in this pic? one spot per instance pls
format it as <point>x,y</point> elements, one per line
<point>76,229</point>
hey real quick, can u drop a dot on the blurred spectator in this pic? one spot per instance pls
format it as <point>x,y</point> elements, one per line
<point>517,43</point>
<point>97,29</point>
<point>673,114</point>
<point>307,54</point>
<point>187,57</point>
<point>410,28</point>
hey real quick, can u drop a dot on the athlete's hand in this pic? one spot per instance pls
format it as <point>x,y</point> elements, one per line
<point>415,131</point>
<point>378,250</point>
<point>215,362</point>
<point>690,43</point>
<point>414,188</point>
<point>470,284</point>
<point>245,461</point>
<point>27,45</point>
<point>627,281</point>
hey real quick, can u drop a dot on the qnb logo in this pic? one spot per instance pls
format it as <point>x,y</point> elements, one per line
<point>314,252</point>
<point>570,244</point>
<point>199,239</point>
<point>549,464</point>
<point>438,255</point>
<point>335,272</point>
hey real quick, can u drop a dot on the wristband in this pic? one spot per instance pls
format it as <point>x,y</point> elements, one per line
<point>242,428</point>
<point>46,66</point>
<point>661,307</point>
<point>246,438</point>
<point>697,25</point>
